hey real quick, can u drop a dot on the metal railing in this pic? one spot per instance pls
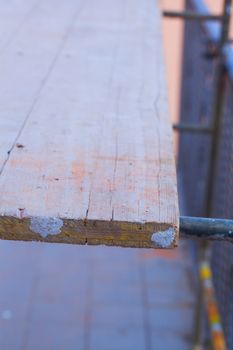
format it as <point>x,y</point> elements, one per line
<point>206,154</point>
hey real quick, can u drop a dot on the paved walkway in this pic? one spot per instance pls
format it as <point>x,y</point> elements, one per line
<point>57,297</point>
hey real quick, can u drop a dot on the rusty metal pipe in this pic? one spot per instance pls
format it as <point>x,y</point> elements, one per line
<point>192,16</point>
<point>206,228</point>
<point>217,108</point>
<point>193,128</point>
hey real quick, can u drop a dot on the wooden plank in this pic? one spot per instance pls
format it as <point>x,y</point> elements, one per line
<point>14,15</point>
<point>25,67</point>
<point>89,158</point>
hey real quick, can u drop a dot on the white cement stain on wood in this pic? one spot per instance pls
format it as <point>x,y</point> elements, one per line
<point>164,239</point>
<point>46,226</point>
<point>85,125</point>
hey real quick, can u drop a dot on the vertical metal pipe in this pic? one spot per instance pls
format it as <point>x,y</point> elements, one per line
<point>202,251</point>
<point>199,310</point>
<point>212,167</point>
<point>217,108</point>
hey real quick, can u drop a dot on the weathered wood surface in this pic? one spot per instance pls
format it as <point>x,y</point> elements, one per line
<point>85,149</point>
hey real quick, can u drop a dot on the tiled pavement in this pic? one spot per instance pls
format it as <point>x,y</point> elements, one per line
<point>58,297</point>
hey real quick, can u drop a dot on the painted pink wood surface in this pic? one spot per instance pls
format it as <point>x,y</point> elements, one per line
<point>86,148</point>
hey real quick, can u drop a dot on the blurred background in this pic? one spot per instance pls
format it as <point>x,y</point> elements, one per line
<point>77,297</point>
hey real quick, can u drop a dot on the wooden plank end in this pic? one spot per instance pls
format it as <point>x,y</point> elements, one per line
<point>91,232</point>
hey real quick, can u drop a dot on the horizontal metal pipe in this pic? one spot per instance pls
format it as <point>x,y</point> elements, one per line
<point>206,228</point>
<point>187,127</point>
<point>192,16</point>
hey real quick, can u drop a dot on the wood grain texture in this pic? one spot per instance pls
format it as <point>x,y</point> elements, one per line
<point>86,147</point>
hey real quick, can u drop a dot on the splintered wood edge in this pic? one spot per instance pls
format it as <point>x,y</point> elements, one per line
<point>91,232</point>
